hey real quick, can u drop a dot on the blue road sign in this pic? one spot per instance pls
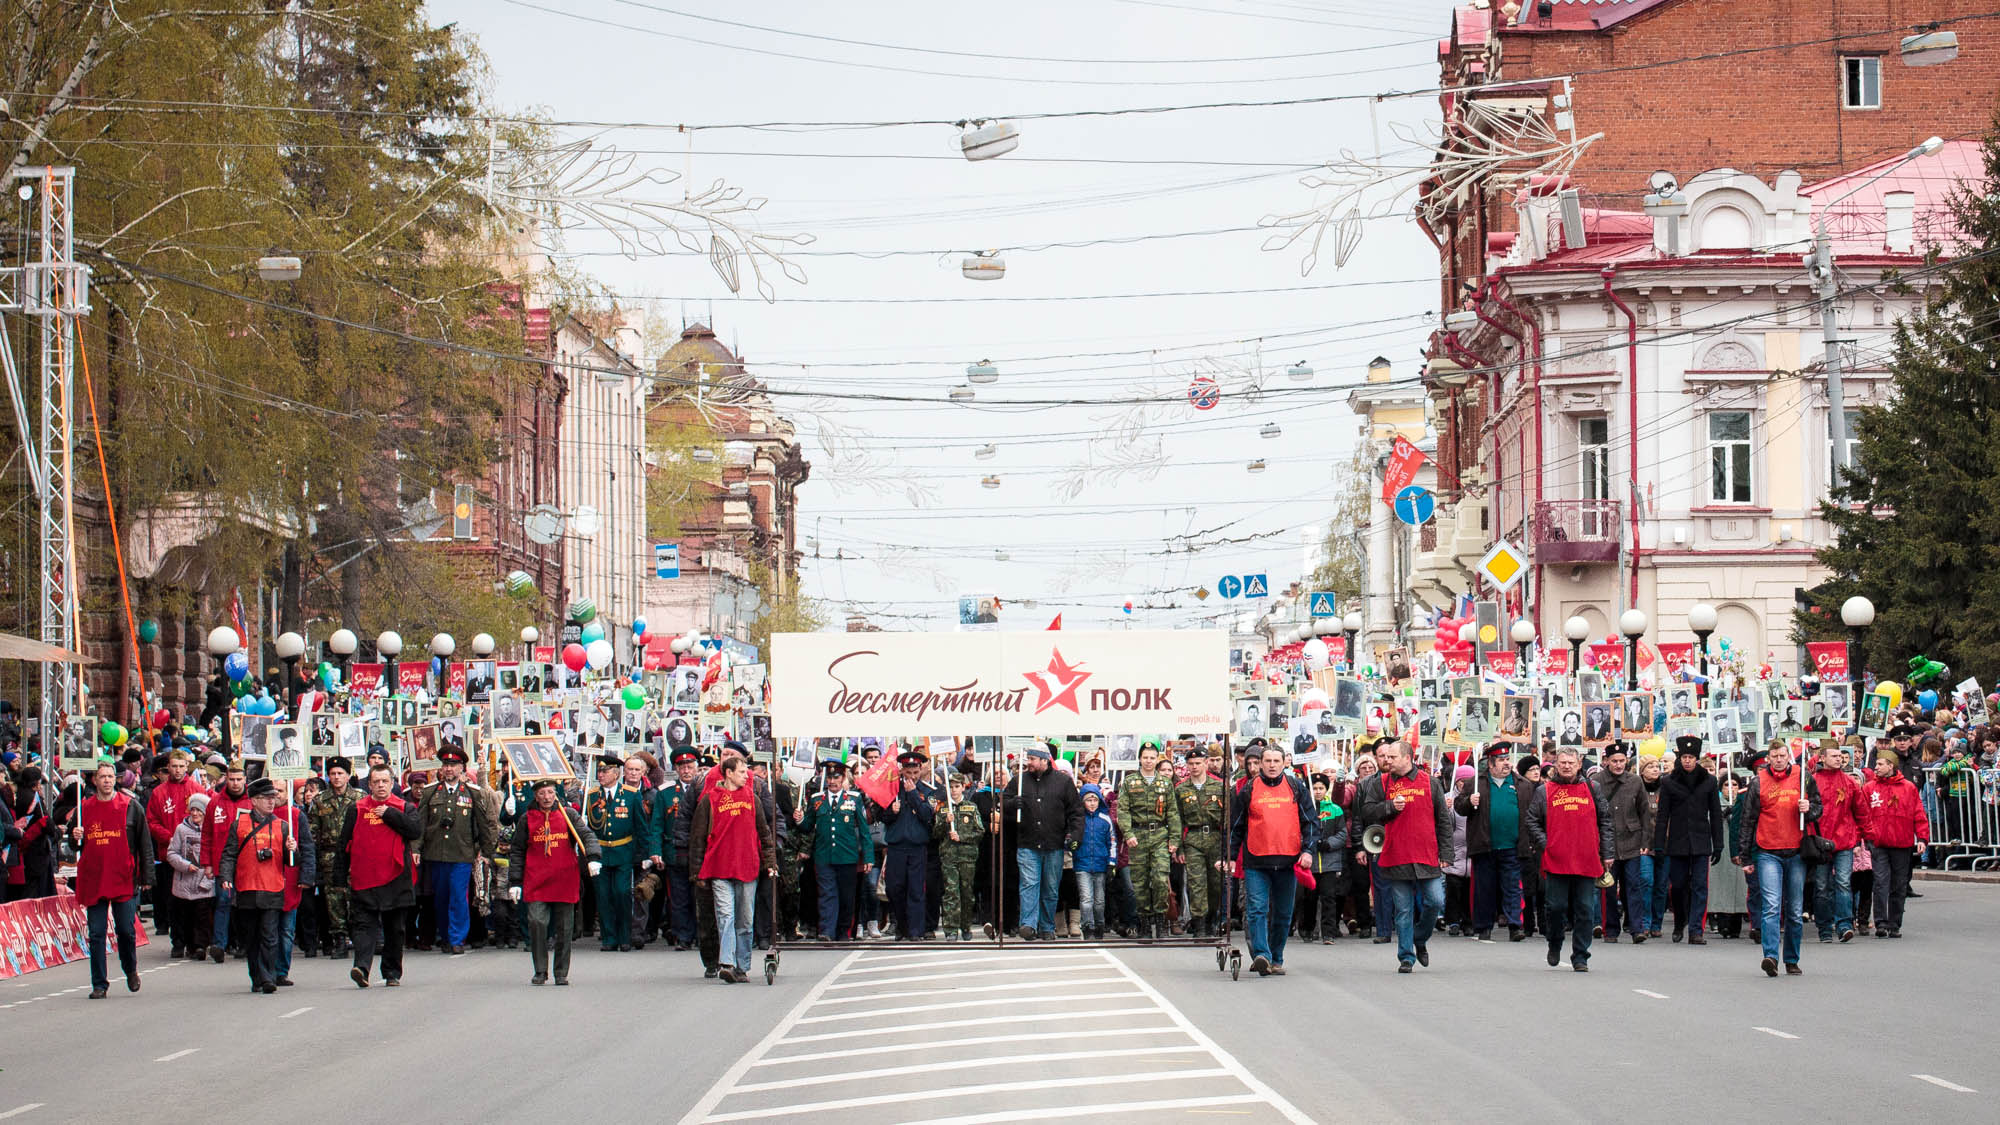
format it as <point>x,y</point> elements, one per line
<point>1229,586</point>
<point>1256,586</point>
<point>666,560</point>
<point>1321,604</point>
<point>1415,505</point>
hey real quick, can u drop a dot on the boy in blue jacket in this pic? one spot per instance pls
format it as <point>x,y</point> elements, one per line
<point>1092,860</point>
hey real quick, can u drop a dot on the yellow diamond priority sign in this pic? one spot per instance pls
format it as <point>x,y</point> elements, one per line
<point>1503,565</point>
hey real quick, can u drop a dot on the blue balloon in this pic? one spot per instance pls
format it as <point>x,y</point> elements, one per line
<point>1927,699</point>
<point>638,677</point>
<point>246,705</point>
<point>638,626</point>
<point>236,666</point>
<point>266,705</point>
<point>437,665</point>
<point>592,632</point>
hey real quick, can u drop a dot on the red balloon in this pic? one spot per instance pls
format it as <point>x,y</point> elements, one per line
<point>573,658</point>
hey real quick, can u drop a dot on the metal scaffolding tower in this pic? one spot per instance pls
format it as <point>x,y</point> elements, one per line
<point>48,283</point>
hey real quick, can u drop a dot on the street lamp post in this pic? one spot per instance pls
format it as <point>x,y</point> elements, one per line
<point>1701,620</point>
<point>1632,623</point>
<point>389,645</point>
<point>1576,630</point>
<point>342,645</point>
<point>290,647</point>
<point>1523,634</point>
<point>442,646</point>
<point>1350,627</point>
<point>1857,613</point>
<point>529,635</point>
<point>1468,634</point>
<point>222,643</point>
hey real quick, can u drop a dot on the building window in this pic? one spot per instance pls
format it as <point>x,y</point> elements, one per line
<point>1853,457</point>
<point>1593,446</point>
<point>1864,81</point>
<point>1729,457</point>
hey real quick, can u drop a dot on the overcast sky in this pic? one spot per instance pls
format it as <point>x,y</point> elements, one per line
<point>896,490</point>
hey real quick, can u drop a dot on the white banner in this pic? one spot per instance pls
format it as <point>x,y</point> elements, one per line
<point>1023,683</point>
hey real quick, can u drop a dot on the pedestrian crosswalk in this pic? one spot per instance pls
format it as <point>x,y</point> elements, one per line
<point>963,1037</point>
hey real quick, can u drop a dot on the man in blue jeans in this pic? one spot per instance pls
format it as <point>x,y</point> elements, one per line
<point>1492,806</point>
<point>1415,811</point>
<point>1632,833</point>
<point>1273,826</point>
<point>1048,816</point>
<point>1777,809</point>
<point>1833,881</point>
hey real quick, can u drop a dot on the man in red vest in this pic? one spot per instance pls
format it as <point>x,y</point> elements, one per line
<point>117,859</point>
<point>1274,826</point>
<point>263,859</point>
<point>1779,804</point>
<point>1417,820</point>
<point>541,870</point>
<point>375,844</point>
<point>1569,823</point>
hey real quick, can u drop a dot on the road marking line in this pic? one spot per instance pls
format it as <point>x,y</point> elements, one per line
<point>968,1041</point>
<point>1008,986</point>
<point>1242,1074</point>
<point>742,1065</point>
<point>20,1109</point>
<point>1039,1017</point>
<point>874,965</point>
<point>1060,998</point>
<point>1776,1032</point>
<point>1036,969</point>
<point>960,1064</point>
<point>1039,1083</point>
<point>1936,1081</point>
<point>1080,1111</point>
<point>180,1054</point>
<point>1651,993</point>
<point>296,1012</point>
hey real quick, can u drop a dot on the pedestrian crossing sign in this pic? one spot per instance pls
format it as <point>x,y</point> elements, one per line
<point>1255,586</point>
<point>1322,604</point>
<point>1503,565</point>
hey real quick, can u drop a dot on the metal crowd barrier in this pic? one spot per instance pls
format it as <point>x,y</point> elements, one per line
<point>1965,816</point>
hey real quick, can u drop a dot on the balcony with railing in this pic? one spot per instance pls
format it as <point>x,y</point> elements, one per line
<point>1576,531</point>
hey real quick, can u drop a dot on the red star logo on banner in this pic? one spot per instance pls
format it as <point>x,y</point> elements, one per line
<point>1057,686</point>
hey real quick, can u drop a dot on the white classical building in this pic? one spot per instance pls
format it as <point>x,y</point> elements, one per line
<point>1650,406</point>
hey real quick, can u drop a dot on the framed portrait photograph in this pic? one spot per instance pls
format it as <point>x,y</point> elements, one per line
<point>1840,704</point>
<point>507,677</point>
<point>1683,714</point>
<point>1724,731</point>
<point>1349,705</point>
<point>287,747</point>
<point>1590,687</point>
<point>679,731</point>
<point>254,736</point>
<point>1430,721</point>
<point>1517,717</point>
<point>1478,721</point>
<point>506,715</point>
<point>1569,726</point>
<point>1791,718</point>
<point>423,740</point>
<point>323,736</point>
<point>1635,714</point>
<point>1874,715</point>
<point>478,681</point>
<point>687,688</point>
<point>535,757</point>
<point>534,680</point>
<point>1249,718</point>
<point>1597,724</point>
<point>1818,721</point>
<point>1123,753</point>
<point>353,744</point>
<point>1463,686</point>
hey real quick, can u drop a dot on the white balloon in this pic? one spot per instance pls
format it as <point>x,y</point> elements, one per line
<point>598,653</point>
<point>678,645</point>
<point>1315,654</point>
<point>1313,699</point>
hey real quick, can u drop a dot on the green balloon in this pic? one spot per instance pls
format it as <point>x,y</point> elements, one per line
<point>635,697</point>
<point>111,733</point>
<point>240,688</point>
<point>149,631</point>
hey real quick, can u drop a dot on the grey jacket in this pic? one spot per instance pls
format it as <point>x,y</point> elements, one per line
<point>1631,812</point>
<point>1378,809</point>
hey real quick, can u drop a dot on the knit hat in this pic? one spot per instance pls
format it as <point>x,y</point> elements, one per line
<point>1092,790</point>
<point>197,802</point>
<point>1527,762</point>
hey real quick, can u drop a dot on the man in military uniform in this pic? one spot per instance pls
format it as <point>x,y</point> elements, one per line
<point>1150,821</point>
<point>616,815</point>
<point>459,825</point>
<point>327,816</point>
<point>959,830</point>
<point>681,790</point>
<point>1203,808</point>
<point>835,819</point>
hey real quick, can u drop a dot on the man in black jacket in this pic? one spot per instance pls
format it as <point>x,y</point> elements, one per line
<point>1493,805</point>
<point>1688,835</point>
<point>1274,825</point>
<point>1048,817</point>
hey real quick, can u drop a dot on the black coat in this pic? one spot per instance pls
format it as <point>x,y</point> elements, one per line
<point>1049,812</point>
<point>1479,821</point>
<point>1376,808</point>
<point>1690,821</point>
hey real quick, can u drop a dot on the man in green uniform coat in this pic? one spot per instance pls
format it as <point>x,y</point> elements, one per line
<point>616,814</point>
<point>1150,822</point>
<point>325,816</point>
<point>835,819</point>
<point>1203,808</point>
<point>958,833</point>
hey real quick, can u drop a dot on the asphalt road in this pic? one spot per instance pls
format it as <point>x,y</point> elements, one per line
<point>1876,1030</point>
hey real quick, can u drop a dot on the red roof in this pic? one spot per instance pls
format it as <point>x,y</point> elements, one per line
<point>1581,15</point>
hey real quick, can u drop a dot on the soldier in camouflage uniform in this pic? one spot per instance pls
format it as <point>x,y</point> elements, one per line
<point>1150,821</point>
<point>1204,808</point>
<point>958,835</point>
<point>325,816</point>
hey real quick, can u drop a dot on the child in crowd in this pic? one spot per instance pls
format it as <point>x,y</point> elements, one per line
<point>1092,860</point>
<point>1329,857</point>
<point>192,913</point>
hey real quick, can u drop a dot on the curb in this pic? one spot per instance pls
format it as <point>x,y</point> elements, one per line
<point>1959,876</point>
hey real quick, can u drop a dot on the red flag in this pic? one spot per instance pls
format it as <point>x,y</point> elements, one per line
<point>1829,659</point>
<point>1679,655</point>
<point>1056,625</point>
<point>1606,658</point>
<point>878,782</point>
<point>1502,663</point>
<point>1404,460</point>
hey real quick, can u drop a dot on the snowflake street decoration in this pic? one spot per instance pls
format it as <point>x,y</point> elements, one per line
<point>1494,141</point>
<point>588,184</point>
<point>850,461</point>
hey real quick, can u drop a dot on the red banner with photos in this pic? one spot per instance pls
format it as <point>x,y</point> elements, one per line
<point>41,933</point>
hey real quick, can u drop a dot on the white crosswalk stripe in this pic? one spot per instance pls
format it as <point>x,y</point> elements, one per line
<point>1094,1040</point>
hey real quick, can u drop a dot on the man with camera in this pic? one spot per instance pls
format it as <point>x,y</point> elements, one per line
<point>264,860</point>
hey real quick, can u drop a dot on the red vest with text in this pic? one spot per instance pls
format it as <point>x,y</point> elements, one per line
<point>1571,825</point>
<point>105,872</point>
<point>378,853</point>
<point>550,872</point>
<point>1778,826</point>
<point>253,874</point>
<point>1412,834</point>
<point>732,835</point>
<point>1274,819</point>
